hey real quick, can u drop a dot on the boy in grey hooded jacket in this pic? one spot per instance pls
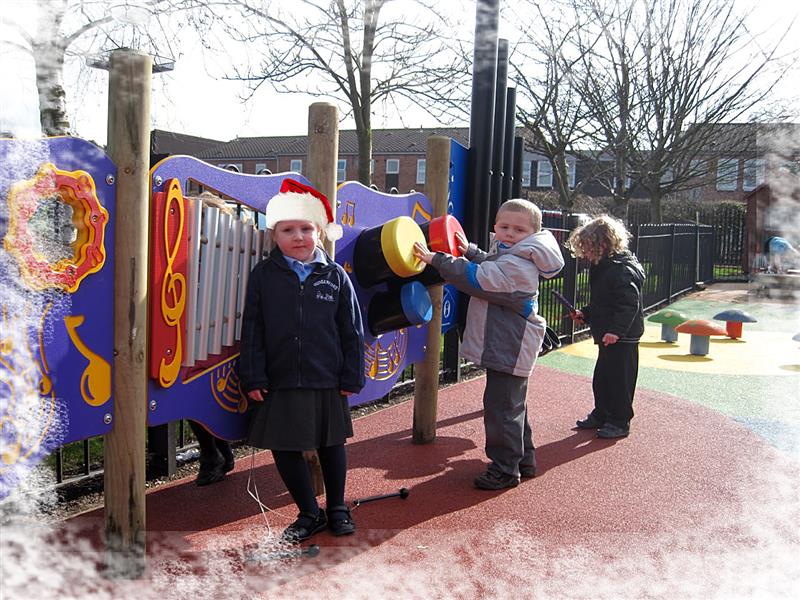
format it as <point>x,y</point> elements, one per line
<point>504,333</point>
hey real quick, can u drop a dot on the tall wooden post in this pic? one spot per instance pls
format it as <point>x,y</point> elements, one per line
<point>321,161</point>
<point>323,153</point>
<point>130,74</point>
<point>426,373</point>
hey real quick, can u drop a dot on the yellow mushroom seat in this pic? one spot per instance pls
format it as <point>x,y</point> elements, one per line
<point>700,330</point>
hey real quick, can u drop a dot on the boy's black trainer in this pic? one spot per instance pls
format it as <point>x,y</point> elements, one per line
<point>590,422</point>
<point>493,481</point>
<point>610,431</point>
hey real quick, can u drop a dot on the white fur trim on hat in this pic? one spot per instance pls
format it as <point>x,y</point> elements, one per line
<point>293,206</point>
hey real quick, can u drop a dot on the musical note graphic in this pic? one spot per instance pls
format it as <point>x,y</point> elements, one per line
<point>225,388</point>
<point>418,209</point>
<point>382,363</point>
<point>349,214</point>
<point>96,377</point>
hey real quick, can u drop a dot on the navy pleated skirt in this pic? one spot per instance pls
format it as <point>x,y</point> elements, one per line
<point>300,419</point>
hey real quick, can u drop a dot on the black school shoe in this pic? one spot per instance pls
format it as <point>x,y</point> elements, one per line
<point>590,422</point>
<point>493,481</point>
<point>527,471</point>
<point>229,464</point>
<point>339,521</point>
<point>611,431</point>
<point>209,475</point>
<point>306,525</point>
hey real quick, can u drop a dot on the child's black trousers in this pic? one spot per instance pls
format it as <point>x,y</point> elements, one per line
<point>614,383</point>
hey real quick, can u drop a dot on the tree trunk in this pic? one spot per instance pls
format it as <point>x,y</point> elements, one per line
<point>656,212</point>
<point>364,154</point>
<point>49,62</point>
<point>562,183</point>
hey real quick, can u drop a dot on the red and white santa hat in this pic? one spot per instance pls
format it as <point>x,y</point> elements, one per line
<point>298,202</point>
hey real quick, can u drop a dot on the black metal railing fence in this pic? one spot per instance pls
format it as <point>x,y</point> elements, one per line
<point>675,256</point>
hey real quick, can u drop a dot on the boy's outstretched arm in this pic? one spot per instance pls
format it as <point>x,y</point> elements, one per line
<point>460,273</point>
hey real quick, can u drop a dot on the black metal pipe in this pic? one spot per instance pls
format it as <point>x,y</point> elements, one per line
<point>484,73</point>
<point>516,184</point>
<point>509,174</point>
<point>498,139</point>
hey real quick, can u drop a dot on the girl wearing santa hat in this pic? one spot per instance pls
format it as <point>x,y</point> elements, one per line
<point>302,354</point>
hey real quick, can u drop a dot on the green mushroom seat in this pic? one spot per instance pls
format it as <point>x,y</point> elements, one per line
<point>669,319</point>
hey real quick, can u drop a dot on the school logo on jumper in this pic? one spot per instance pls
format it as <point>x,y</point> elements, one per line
<point>325,297</point>
<point>327,282</point>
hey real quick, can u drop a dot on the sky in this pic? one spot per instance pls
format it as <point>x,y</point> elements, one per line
<point>190,99</point>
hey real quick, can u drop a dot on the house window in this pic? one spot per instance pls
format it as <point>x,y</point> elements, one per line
<point>544,174</point>
<point>727,174</point>
<point>420,170</point>
<point>372,167</point>
<point>392,166</point>
<point>666,177</point>
<point>628,183</point>
<point>698,168</point>
<point>753,175</point>
<point>526,174</point>
<point>341,170</point>
<point>296,165</point>
<point>261,168</point>
<point>571,173</point>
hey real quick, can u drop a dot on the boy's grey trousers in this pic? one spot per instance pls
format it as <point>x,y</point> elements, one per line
<point>509,440</point>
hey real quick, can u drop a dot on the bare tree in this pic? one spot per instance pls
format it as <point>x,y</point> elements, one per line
<point>667,70</point>
<point>553,113</point>
<point>80,28</point>
<point>360,52</point>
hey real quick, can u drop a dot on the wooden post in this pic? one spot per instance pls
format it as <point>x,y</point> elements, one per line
<point>323,153</point>
<point>321,161</point>
<point>426,373</point>
<point>130,75</point>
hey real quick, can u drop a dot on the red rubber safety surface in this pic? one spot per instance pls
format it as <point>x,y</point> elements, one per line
<point>690,505</point>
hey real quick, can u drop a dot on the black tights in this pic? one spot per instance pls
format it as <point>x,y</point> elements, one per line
<point>295,474</point>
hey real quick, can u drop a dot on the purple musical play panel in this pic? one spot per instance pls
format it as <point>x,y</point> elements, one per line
<point>209,394</point>
<point>57,203</point>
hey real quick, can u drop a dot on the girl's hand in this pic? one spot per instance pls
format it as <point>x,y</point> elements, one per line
<point>422,253</point>
<point>577,316</point>
<point>345,393</point>
<point>257,395</point>
<point>463,244</point>
<point>610,338</point>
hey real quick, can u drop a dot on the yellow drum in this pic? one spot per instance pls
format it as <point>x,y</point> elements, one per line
<point>386,252</point>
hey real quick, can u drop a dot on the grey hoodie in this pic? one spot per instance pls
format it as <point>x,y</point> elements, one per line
<point>504,331</point>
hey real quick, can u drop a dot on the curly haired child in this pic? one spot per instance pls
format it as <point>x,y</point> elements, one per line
<point>616,319</point>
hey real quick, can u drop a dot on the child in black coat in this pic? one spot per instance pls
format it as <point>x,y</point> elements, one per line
<point>616,319</point>
<point>302,354</point>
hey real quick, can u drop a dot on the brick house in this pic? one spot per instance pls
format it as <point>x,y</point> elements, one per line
<point>398,156</point>
<point>735,159</point>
